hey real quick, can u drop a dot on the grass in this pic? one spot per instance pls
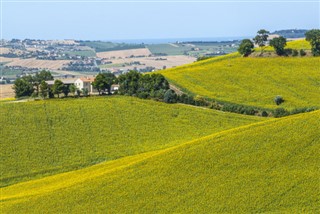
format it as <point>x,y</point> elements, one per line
<point>253,81</point>
<point>42,138</point>
<point>168,49</point>
<point>264,167</point>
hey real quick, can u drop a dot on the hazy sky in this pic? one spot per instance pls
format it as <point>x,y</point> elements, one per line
<point>105,20</point>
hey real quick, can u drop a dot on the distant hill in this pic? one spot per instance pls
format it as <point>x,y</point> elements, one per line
<point>267,167</point>
<point>291,33</point>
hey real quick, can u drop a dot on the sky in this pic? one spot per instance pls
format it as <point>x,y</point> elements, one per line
<point>153,19</point>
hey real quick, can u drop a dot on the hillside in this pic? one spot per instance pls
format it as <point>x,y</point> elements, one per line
<point>48,137</point>
<point>263,167</point>
<point>253,81</point>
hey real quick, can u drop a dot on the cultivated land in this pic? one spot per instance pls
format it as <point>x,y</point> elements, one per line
<point>35,63</point>
<point>127,155</point>
<point>264,167</point>
<point>6,91</point>
<point>157,62</point>
<point>64,135</point>
<point>124,53</point>
<point>253,81</point>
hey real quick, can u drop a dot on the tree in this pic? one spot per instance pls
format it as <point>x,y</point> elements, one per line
<point>261,38</point>
<point>57,87</point>
<point>85,92</point>
<point>278,44</point>
<point>65,90</point>
<point>109,79</point>
<point>313,36</point>
<point>100,83</point>
<point>278,100</point>
<point>44,89</point>
<point>39,77</point>
<point>23,87</point>
<point>170,96</point>
<point>73,89</point>
<point>246,47</point>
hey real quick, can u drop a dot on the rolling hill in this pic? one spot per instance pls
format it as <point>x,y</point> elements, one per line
<point>48,137</point>
<point>269,166</point>
<point>253,81</point>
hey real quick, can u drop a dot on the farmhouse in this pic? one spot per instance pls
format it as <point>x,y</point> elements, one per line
<point>85,83</point>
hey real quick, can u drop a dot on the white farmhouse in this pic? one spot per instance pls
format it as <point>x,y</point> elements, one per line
<point>85,83</point>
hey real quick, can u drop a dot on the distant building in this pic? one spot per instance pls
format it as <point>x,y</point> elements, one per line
<point>85,83</point>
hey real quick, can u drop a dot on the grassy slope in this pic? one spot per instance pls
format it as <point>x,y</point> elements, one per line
<point>264,167</point>
<point>253,81</point>
<point>44,138</point>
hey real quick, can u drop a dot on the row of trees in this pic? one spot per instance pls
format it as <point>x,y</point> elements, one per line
<point>247,46</point>
<point>32,85</point>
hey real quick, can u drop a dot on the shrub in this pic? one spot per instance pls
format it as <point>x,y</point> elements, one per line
<point>170,96</point>
<point>302,52</point>
<point>278,100</point>
<point>295,53</point>
<point>264,114</point>
<point>280,112</point>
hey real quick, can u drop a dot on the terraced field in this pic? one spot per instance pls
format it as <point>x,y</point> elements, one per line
<point>253,81</point>
<point>268,166</point>
<point>48,137</point>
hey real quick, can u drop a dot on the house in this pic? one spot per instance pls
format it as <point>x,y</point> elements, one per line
<point>85,83</point>
<point>114,87</point>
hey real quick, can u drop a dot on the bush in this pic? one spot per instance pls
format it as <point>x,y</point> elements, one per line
<point>278,100</point>
<point>280,112</point>
<point>170,96</point>
<point>264,114</point>
<point>302,52</point>
<point>295,53</point>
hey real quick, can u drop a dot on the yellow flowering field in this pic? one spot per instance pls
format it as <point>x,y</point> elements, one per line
<point>266,167</point>
<point>42,138</point>
<point>253,81</point>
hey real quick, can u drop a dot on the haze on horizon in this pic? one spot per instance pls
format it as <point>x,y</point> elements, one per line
<point>126,20</point>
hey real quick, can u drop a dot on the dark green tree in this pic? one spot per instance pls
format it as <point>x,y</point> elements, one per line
<point>110,79</point>
<point>246,47</point>
<point>278,44</point>
<point>261,39</point>
<point>57,87</point>
<point>170,96</point>
<point>100,83</point>
<point>39,77</point>
<point>44,89</point>
<point>313,36</point>
<point>23,87</point>
<point>66,90</point>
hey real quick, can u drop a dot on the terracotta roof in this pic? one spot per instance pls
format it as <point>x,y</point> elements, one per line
<point>86,79</point>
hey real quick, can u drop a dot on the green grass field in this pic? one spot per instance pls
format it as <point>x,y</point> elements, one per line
<point>253,81</point>
<point>47,137</point>
<point>266,167</point>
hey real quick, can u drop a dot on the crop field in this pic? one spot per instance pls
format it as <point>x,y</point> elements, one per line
<point>169,49</point>
<point>42,138</point>
<point>101,46</point>
<point>87,53</point>
<point>35,63</point>
<point>268,166</point>
<point>6,91</point>
<point>252,81</point>
<point>124,53</point>
<point>168,61</point>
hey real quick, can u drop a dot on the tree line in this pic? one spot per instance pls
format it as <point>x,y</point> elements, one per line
<point>247,46</point>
